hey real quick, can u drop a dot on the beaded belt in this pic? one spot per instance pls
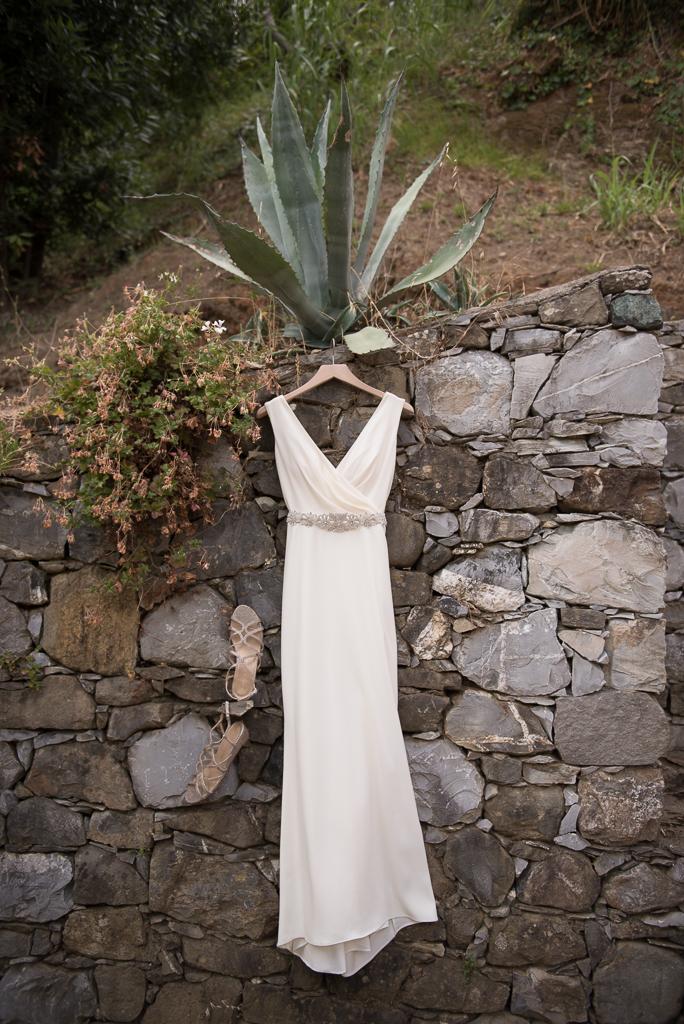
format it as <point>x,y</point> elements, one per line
<point>337,520</point>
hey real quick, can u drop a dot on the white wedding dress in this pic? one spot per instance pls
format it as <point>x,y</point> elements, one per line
<point>353,866</point>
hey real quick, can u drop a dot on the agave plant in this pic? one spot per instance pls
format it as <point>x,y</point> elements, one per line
<point>303,197</point>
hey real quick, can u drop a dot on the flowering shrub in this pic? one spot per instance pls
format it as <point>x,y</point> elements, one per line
<point>139,396</point>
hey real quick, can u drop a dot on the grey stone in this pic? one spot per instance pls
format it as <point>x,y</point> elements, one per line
<point>262,590</point>
<point>232,823</point>
<point>163,762</point>
<point>643,888</point>
<point>498,768</point>
<point>230,897</point>
<point>89,625</point>
<point>582,307</point>
<point>461,922</point>
<point>22,534</point>
<point>123,722</point>
<point>60,702</point>
<point>219,461</point>
<point>409,587</point>
<point>543,771</point>
<point>428,631</point>
<point>441,524</point>
<point>526,938</point>
<point>448,788</point>
<point>24,583</point>
<point>187,1003</point>
<point>582,618</point>
<point>38,993</point>
<point>490,580</point>
<point>466,394</point>
<point>480,722</point>
<point>445,476</point>
<point>34,886</point>
<point>639,984</point>
<point>40,823</point>
<point>637,654</point>
<point>511,483</point>
<point>617,564</point>
<point>634,492</point>
<point>11,769</point>
<point>81,771</point>
<point>422,712</point>
<point>191,628</point>
<point>234,957</point>
<point>555,998</point>
<point>478,860</point>
<point>636,309</point>
<point>113,933</point>
<point>518,656</point>
<point>121,991</point>
<point>526,812</point>
<point>121,691</point>
<point>646,440</point>
<point>674,501</point>
<point>486,526</point>
<point>674,364</point>
<point>605,372</point>
<point>530,373</point>
<point>587,677</point>
<point>405,540</point>
<point>564,880</point>
<point>674,554</point>
<point>239,539</point>
<point>624,278</point>
<point>610,728</point>
<point>674,459</point>
<point>588,645</point>
<point>15,638</point>
<point>132,831</point>
<point>102,877</point>
<point>444,984</point>
<point>531,340</point>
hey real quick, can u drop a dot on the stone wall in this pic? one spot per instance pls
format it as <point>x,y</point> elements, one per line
<point>525,532</point>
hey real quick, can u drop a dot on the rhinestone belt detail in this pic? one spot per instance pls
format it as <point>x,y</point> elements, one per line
<point>337,520</point>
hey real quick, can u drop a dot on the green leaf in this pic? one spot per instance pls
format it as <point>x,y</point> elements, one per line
<point>297,187</point>
<point>377,163</point>
<point>319,149</point>
<point>289,243</point>
<point>451,253</point>
<point>260,263</point>
<point>260,195</point>
<point>368,339</point>
<point>212,252</point>
<point>339,206</point>
<point>392,225</point>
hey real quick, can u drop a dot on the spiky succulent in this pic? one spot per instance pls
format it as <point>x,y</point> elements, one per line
<point>304,199</point>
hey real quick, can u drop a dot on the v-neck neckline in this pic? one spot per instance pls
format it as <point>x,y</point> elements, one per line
<point>355,442</point>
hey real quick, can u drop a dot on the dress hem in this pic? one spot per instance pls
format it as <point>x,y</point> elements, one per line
<point>394,924</point>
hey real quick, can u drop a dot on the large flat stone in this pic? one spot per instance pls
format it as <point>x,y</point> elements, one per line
<point>39,993</point>
<point>606,372</point>
<point>478,860</point>
<point>526,812</point>
<point>466,394</point>
<point>440,475</point>
<point>636,649</point>
<point>580,307</point>
<point>44,824</point>
<point>15,638</point>
<point>448,788</point>
<point>60,702</point>
<point>239,539</point>
<point>22,534</point>
<point>521,657</point>
<point>555,998</point>
<point>81,771</point>
<point>639,984</point>
<point>610,728</point>
<point>180,1002</point>
<point>113,933</point>
<point>230,897</point>
<point>639,442</point>
<point>564,880</point>
<point>90,626</point>
<point>530,373</point>
<point>634,492</point>
<point>480,722</point>
<point>603,562</point>
<point>35,886</point>
<point>510,483</point>
<point>486,526</point>
<point>192,628</point>
<point>526,938</point>
<point>621,808</point>
<point>491,580</point>
<point>444,984</point>
<point>642,889</point>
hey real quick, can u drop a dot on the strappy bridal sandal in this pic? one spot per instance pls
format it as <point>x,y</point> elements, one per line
<point>245,653</point>
<point>216,757</point>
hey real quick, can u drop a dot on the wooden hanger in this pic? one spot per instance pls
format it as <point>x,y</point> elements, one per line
<point>333,371</point>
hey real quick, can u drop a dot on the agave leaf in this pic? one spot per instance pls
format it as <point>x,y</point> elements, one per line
<point>451,253</point>
<point>392,225</point>
<point>339,207</point>
<point>260,263</point>
<point>260,196</point>
<point>377,163</point>
<point>214,253</point>
<point>297,187</point>
<point>289,243</point>
<point>344,319</point>
<point>319,148</point>
<point>368,339</point>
